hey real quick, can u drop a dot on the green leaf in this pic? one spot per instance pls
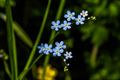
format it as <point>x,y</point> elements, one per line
<point>114,76</point>
<point>104,72</point>
<point>93,1</point>
<point>113,9</point>
<point>2,3</point>
<point>100,35</point>
<point>19,31</point>
<point>11,42</point>
<point>96,77</point>
<point>87,31</point>
<point>22,34</point>
<point>101,10</point>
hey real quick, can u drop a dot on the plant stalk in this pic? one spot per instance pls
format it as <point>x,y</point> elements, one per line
<point>94,56</point>
<point>11,42</point>
<point>26,68</point>
<point>47,58</point>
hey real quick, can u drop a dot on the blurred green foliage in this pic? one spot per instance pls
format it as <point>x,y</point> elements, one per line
<point>2,3</point>
<point>105,27</point>
<point>103,32</point>
<point>97,33</point>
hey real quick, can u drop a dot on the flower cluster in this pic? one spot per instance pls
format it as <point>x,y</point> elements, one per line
<point>58,50</point>
<point>55,51</point>
<point>69,16</point>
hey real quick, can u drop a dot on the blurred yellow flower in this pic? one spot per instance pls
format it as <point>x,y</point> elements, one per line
<point>50,73</point>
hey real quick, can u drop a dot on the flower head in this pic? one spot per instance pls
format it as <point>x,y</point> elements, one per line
<point>56,25</point>
<point>84,13</point>
<point>47,49</point>
<point>69,15</point>
<point>41,48</point>
<point>66,25</point>
<point>68,55</point>
<point>80,20</point>
<point>57,51</point>
<point>51,73</point>
<point>60,45</point>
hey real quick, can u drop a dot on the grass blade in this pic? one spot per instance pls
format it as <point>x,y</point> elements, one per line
<point>19,31</point>
<point>59,12</point>
<point>26,68</point>
<point>11,42</point>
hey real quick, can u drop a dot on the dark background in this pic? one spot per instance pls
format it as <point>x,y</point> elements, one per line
<point>102,32</point>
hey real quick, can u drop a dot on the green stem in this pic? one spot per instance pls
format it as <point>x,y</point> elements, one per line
<point>52,39</point>
<point>25,72</point>
<point>7,69</point>
<point>94,56</point>
<point>36,42</point>
<point>59,12</point>
<point>11,42</point>
<point>5,57</point>
<point>60,9</point>
<point>67,77</point>
<point>35,61</point>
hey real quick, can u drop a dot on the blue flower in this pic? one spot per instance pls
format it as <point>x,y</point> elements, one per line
<point>68,55</point>
<point>47,49</point>
<point>56,25</point>
<point>66,25</point>
<point>57,51</point>
<point>41,48</point>
<point>69,15</point>
<point>60,45</point>
<point>80,20</point>
<point>84,13</point>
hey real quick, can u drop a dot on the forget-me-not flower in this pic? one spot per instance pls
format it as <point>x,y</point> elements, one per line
<point>41,48</point>
<point>47,49</point>
<point>56,25</point>
<point>66,25</point>
<point>60,45</point>
<point>68,55</point>
<point>69,15</point>
<point>80,20</point>
<point>84,13</point>
<point>57,51</point>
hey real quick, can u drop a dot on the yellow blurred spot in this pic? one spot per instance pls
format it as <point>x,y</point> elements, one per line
<point>50,73</point>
